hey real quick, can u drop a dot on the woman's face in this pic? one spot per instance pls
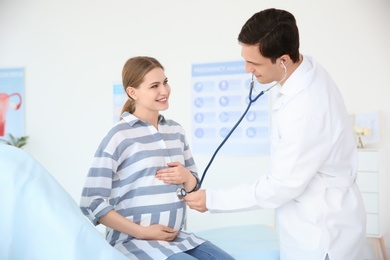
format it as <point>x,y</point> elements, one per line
<point>262,68</point>
<point>153,93</point>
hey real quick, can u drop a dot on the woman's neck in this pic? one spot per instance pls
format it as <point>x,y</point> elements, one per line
<point>151,118</point>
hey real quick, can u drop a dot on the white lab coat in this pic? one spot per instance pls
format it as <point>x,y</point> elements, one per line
<point>311,184</point>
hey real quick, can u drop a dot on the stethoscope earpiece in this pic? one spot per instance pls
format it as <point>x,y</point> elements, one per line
<point>284,66</point>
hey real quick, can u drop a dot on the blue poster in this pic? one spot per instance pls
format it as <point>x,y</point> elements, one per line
<point>220,94</point>
<point>119,99</point>
<point>12,102</point>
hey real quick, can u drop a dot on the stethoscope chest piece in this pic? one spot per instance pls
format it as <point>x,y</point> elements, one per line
<point>181,193</point>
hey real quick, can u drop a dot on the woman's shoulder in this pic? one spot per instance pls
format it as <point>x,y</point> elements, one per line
<point>167,121</point>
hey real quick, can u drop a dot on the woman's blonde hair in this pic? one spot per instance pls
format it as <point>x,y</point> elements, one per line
<point>133,74</point>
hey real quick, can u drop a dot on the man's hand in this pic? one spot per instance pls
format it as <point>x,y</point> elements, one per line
<point>196,200</point>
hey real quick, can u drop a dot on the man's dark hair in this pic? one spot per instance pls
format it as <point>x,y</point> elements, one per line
<point>275,31</point>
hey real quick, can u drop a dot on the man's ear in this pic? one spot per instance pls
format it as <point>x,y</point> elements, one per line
<point>131,92</point>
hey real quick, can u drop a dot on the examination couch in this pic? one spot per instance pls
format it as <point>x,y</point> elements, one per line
<point>246,242</point>
<point>40,220</point>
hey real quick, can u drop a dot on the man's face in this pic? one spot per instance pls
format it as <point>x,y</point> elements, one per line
<point>262,68</point>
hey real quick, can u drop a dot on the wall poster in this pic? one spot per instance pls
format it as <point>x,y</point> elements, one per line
<point>219,97</point>
<point>12,102</point>
<point>119,99</point>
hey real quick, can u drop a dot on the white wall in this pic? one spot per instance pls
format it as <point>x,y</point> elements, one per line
<point>73,51</point>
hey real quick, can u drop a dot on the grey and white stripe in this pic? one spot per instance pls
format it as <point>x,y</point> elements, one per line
<point>122,178</point>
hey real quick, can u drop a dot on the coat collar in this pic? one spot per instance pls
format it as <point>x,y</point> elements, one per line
<point>297,82</point>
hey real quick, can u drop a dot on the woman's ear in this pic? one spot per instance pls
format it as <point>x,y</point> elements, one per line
<point>131,93</point>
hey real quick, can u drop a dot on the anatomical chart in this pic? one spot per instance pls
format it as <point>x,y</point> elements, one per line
<point>11,102</point>
<point>220,94</point>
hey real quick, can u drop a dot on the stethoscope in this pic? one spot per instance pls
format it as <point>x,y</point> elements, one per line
<point>181,192</point>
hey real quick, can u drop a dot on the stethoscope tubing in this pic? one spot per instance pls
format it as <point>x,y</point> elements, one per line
<point>181,192</point>
<point>251,101</point>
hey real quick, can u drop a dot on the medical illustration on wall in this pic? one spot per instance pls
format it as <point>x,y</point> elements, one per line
<point>11,102</point>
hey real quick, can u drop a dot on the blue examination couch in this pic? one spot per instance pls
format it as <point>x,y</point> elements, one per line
<point>40,220</point>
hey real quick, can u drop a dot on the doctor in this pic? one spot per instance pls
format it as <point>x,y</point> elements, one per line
<point>311,183</point>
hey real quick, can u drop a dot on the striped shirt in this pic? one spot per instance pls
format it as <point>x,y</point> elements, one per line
<point>122,178</point>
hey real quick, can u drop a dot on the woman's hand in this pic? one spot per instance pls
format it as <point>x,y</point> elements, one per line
<point>176,173</point>
<point>158,232</point>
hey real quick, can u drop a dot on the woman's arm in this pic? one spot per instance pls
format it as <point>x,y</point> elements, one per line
<point>116,221</point>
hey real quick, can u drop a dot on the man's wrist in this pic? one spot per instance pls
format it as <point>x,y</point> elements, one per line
<point>196,186</point>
